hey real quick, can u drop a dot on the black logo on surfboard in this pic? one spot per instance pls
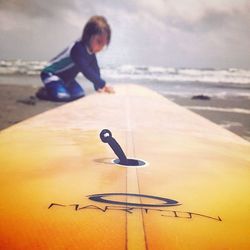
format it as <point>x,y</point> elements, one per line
<point>165,202</point>
<point>118,202</point>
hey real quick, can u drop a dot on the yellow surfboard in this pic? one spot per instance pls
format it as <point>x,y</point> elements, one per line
<point>62,189</point>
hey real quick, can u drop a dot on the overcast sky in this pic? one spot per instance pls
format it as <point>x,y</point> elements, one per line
<point>172,33</point>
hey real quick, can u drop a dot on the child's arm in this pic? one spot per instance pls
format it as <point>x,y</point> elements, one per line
<point>82,59</point>
<point>96,68</point>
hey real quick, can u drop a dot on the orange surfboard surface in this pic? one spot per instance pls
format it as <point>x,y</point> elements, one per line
<point>60,188</point>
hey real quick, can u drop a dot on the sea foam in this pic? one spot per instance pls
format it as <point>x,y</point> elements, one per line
<point>141,73</point>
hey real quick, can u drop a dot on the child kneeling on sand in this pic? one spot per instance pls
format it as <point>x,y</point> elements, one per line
<point>59,76</point>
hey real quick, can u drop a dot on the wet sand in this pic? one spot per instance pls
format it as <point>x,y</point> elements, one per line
<point>18,102</point>
<point>228,113</point>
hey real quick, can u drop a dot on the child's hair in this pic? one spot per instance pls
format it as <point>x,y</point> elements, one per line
<point>97,25</point>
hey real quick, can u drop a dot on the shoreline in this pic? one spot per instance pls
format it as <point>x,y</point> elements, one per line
<point>18,102</point>
<point>228,113</point>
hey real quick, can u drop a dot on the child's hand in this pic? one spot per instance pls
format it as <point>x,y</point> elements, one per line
<point>107,89</point>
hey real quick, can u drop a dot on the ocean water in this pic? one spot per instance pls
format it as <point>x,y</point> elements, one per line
<point>168,81</point>
<point>141,73</point>
<point>228,89</point>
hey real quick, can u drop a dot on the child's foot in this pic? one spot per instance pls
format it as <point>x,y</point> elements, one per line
<point>42,94</point>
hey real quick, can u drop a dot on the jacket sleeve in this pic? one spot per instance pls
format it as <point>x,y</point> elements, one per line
<point>82,60</point>
<point>95,67</point>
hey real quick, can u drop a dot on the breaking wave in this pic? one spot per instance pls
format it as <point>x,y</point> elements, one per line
<point>131,72</point>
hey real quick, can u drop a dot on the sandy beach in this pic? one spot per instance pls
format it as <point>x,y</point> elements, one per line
<point>219,111</point>
<point>18,102</point>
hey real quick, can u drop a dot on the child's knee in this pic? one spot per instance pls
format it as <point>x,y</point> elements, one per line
<point>75,90</point>
<point>57,91</point>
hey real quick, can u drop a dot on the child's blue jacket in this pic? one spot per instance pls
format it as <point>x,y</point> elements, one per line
<point>74,59</point>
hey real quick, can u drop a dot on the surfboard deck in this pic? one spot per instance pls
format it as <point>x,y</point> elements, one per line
<point>60,189</point>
